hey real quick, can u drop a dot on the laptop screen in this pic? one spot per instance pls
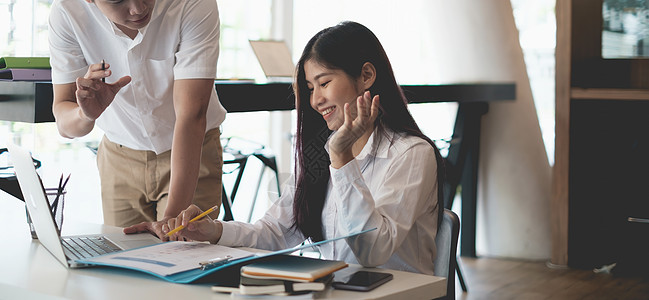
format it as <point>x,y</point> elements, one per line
<point>274,58</point>
<point>36,202</point>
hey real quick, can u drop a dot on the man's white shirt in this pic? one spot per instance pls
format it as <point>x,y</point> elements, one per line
<point>180,42</point>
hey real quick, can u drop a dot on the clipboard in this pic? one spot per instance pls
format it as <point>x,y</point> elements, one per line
<point>140,259</point>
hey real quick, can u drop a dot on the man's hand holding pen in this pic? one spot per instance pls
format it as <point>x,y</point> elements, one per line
<point>201,229</point>
<point>194,224</point>
<point>93,94</point>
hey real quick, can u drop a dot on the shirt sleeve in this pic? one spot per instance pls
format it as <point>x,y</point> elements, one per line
<point>198,50</point>
<point>408,191</point>
<point>272,232</point>
<point>66,57</point>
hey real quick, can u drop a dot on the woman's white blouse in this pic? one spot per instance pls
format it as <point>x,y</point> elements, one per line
<point>393,189</point>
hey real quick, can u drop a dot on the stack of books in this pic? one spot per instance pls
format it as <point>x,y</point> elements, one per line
<point>25,69</point>
<point>286,276</point>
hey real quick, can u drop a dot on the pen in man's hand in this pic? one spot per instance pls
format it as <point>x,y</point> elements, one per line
<point>179,228</point>
<point>103,68</point>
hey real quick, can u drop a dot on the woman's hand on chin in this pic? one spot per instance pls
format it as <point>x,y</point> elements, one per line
<point>341,143</point>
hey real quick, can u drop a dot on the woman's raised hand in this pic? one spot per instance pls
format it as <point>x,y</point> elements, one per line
<point>340,144</point>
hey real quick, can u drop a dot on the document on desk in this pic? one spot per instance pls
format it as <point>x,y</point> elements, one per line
<point>171,257</point>
<point>184,262</point>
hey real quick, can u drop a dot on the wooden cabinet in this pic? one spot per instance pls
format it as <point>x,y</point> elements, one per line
<point>602,117</point>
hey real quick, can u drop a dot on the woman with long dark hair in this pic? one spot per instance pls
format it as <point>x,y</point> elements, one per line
<point>361,162</point>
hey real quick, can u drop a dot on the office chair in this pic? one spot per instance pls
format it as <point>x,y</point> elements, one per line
<point>454,166</point>
<point>237,151</point>
<point>8,180</point>
<point>231,157</point>
<point>446,261</point>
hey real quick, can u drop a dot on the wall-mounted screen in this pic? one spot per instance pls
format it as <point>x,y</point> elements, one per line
<point>625,29</point>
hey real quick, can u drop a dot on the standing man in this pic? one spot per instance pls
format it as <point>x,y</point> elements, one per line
<point>143,71</point>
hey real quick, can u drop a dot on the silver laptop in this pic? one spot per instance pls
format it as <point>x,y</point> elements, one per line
<point>275,60</point>
<point>70,248</point>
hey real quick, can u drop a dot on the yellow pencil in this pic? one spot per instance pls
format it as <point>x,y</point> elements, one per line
<point>179,228</point>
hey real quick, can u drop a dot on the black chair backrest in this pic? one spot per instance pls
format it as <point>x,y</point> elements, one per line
<point>446,241</point>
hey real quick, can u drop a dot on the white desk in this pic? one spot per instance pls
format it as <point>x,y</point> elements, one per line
<point>28,271</point>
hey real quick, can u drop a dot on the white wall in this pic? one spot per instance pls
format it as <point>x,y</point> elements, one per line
<point>477,41</point>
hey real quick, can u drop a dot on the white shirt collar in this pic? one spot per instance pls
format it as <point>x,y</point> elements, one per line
<point>381,151</point>
<point>155,13</point>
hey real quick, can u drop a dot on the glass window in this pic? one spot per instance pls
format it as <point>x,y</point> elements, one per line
<point>536,25</point>
<point>23,27</point>
<point>239,24</point>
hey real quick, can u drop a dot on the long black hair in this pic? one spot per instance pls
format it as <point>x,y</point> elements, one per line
<point>347,47</point>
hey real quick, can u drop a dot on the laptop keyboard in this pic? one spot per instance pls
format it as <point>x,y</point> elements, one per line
<point>85,247</point>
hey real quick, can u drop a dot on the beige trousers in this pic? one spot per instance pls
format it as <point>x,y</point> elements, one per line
<point>135,183</point>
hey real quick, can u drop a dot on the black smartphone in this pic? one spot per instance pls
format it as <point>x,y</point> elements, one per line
<point>363,281</point>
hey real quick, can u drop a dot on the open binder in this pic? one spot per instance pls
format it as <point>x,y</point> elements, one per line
<point>162,260</point>
<point>26,74</point>
<point>10,62</point>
